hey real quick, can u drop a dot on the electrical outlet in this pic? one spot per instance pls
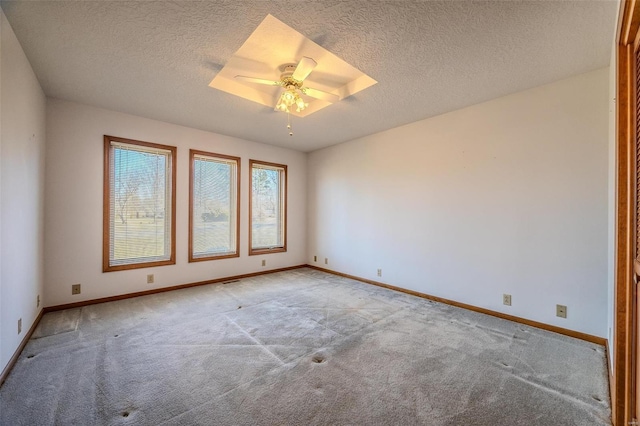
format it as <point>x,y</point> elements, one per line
<point>20,326</point>
<point>379,272</point>
<point>561,311</point>
<point>38,302</point>
<point>75,289</point>
<point>264,262</point>
<point>506,299</point>
<point>326,261</point>
<point>150,279</point>
<point>315,258</point>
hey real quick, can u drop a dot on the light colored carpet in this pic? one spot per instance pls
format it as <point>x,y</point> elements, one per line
<point>299,348</point>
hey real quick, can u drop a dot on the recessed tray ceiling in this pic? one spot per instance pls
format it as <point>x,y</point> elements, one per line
<point>274,44</point>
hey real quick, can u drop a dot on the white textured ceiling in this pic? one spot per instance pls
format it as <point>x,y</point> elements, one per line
<point>155,59</point>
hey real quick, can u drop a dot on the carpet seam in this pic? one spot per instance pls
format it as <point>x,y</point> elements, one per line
<point>255,340</point>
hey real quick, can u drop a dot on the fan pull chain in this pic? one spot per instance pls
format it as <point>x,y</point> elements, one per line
<point>289,123</point>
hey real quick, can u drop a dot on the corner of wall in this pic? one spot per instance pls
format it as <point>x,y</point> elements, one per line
<point>22,145</point>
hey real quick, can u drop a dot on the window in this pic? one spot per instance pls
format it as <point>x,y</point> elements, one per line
<point>267,208</point>
<point>214,206</point>
<point>139,204</point>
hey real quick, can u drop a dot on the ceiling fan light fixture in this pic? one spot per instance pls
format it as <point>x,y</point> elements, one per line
<point>289,98</point>
<point>282,107</point>
<point>301,104</point>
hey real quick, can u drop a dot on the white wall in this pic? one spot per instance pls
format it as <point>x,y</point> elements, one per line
<point>73,240</point>
<point>508,196</point>
<point>22,139</point>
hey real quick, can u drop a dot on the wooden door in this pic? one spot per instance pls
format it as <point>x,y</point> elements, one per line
<point>635,184</point>
<point>626,334</point>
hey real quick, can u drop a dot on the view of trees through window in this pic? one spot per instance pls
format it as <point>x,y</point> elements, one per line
<point>214,199</point>
<point>267,206</point>
<point>140,204</point>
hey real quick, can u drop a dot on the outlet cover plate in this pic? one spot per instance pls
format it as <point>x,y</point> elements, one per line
<point>561,311</point>
<point>506,299</point>
<point>76,289</point>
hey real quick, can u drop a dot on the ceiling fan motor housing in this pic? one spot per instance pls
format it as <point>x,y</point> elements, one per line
<point>287,71</point>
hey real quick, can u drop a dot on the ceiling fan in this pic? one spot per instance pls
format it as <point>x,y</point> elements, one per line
<point>292,80</point>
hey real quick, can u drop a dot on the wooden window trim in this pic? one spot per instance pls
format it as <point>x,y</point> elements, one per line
<point>106,200</point>
<point>192,154</point>
<point>255,252</point>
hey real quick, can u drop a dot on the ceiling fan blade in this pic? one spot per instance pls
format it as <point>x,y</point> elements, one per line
<point>320,94</point>
<point>258,80</point>
<point>304,68</point>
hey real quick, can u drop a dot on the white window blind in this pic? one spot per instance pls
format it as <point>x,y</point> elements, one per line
<point>268,206</point>
<point>140,204</point>
<point>214,206</point>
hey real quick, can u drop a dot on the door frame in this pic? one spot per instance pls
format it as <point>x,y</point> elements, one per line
<point>623,383</point>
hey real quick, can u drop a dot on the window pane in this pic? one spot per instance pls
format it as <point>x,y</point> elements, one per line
<point>267,206</point>
<point>140,205</point>
<point>214,209</point>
